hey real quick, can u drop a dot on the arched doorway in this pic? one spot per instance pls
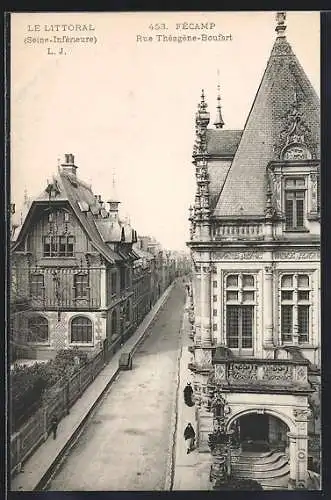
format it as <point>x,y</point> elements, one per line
<point>260,431</point>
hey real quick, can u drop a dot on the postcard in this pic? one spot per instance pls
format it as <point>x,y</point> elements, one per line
<point>165,251</point>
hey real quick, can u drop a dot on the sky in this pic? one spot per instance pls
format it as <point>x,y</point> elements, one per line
<point>126,107</point>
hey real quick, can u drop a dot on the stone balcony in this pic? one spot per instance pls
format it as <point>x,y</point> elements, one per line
<point>239,231</point>
<point>261,375</point>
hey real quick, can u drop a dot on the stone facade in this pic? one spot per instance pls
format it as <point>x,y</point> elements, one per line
<point>255,253</point>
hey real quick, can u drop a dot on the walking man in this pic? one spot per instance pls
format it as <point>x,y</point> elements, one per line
<point>189,436</point>
<point>54,424</point>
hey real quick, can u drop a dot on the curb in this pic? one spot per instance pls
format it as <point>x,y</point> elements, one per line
<point>171,463</point>
<point>47,476</point>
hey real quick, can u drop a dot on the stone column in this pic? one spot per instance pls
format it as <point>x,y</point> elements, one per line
<point>205,304</point>
<point>292,456</point>
<point>197,304</point>
<point>301,417</point>
<point>302,457</point>
<point>295,337</point>
<point>298,455</point>
<point>268,306</point>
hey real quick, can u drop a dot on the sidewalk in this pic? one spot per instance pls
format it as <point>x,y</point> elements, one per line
<point>191,471</point>
<point>45,459</point>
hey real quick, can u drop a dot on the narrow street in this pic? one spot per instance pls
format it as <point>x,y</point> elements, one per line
<point>127,443</point>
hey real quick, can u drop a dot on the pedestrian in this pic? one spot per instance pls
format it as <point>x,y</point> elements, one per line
<point>189,436</point>
<point>54,424</point>
<point>188,393</point>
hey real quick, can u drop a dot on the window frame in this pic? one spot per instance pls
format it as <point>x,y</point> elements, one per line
<point>45,324</point>
<point>86,295</point>
<point>295,194</point>
<point>55,244</point>
<point>295,337</point>
<point>41,285</point>
<point>89,323</point>
<point>242,305</point>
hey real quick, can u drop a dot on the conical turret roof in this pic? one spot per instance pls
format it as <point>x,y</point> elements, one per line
<point>284,90</point>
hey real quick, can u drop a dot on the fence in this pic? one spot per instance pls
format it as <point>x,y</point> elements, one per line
<point>57,400</point>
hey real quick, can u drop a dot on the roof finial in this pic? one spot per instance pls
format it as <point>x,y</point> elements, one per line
<point>114,196</point>
<point>203,104</point>
<point>219,120</point>
<point>281,26</point>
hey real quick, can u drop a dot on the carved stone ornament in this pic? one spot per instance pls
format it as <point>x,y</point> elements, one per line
<point>220,373</point>
<point>206,269</point>
<point>218,400</point>
<point>296,152</point>
<point>301,413</point>
<point>313,192</point>
<point>295,141</point>
<point>269,269</point>
<point>278,373</point>
<point>301,374</point>
<point>276,188</point>
<point>205,357</point>
<point>243,371</point>
<point>297,255</point>
<point>244,255</point>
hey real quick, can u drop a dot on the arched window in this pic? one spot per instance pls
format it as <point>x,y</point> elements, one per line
<point>81,330</point>
<point>114,323</point>
<point>37,329</point>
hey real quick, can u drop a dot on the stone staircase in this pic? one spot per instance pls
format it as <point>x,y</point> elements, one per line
<point>270,469</point>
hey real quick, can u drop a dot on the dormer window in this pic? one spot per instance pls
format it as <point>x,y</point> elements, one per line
<point>295,201</point>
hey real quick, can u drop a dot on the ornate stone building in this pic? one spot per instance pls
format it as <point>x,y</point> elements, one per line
<point>255,249</point>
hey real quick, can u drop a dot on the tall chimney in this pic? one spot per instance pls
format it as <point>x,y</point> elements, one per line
<point>69,164</point>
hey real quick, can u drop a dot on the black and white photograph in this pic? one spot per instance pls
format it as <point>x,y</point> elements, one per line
<point>164,328</point>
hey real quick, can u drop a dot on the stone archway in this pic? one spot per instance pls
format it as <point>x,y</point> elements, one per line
<point>269,411</point>
<point>260,430</point>
<point>296,437</point>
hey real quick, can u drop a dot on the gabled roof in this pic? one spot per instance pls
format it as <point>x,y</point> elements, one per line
<point>223,142</point>
<point>284,82</point>
<point>80,197</point>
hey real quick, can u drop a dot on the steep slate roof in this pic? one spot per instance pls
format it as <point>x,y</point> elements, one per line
<point>244,191</point>
<point>217,175</point>
<point>78,191</point>
<point>223,142</point>
<point>74,191</point>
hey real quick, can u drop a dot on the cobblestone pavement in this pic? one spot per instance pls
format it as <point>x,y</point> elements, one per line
<point>127,443</point>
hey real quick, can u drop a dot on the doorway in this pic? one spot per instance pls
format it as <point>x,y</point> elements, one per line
<point>254,432</point>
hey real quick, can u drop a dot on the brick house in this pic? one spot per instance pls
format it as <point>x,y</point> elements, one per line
<point>72,260</point>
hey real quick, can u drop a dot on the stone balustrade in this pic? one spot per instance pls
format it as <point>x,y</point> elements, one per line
<point>238,231</point>
<point>260,373</point>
